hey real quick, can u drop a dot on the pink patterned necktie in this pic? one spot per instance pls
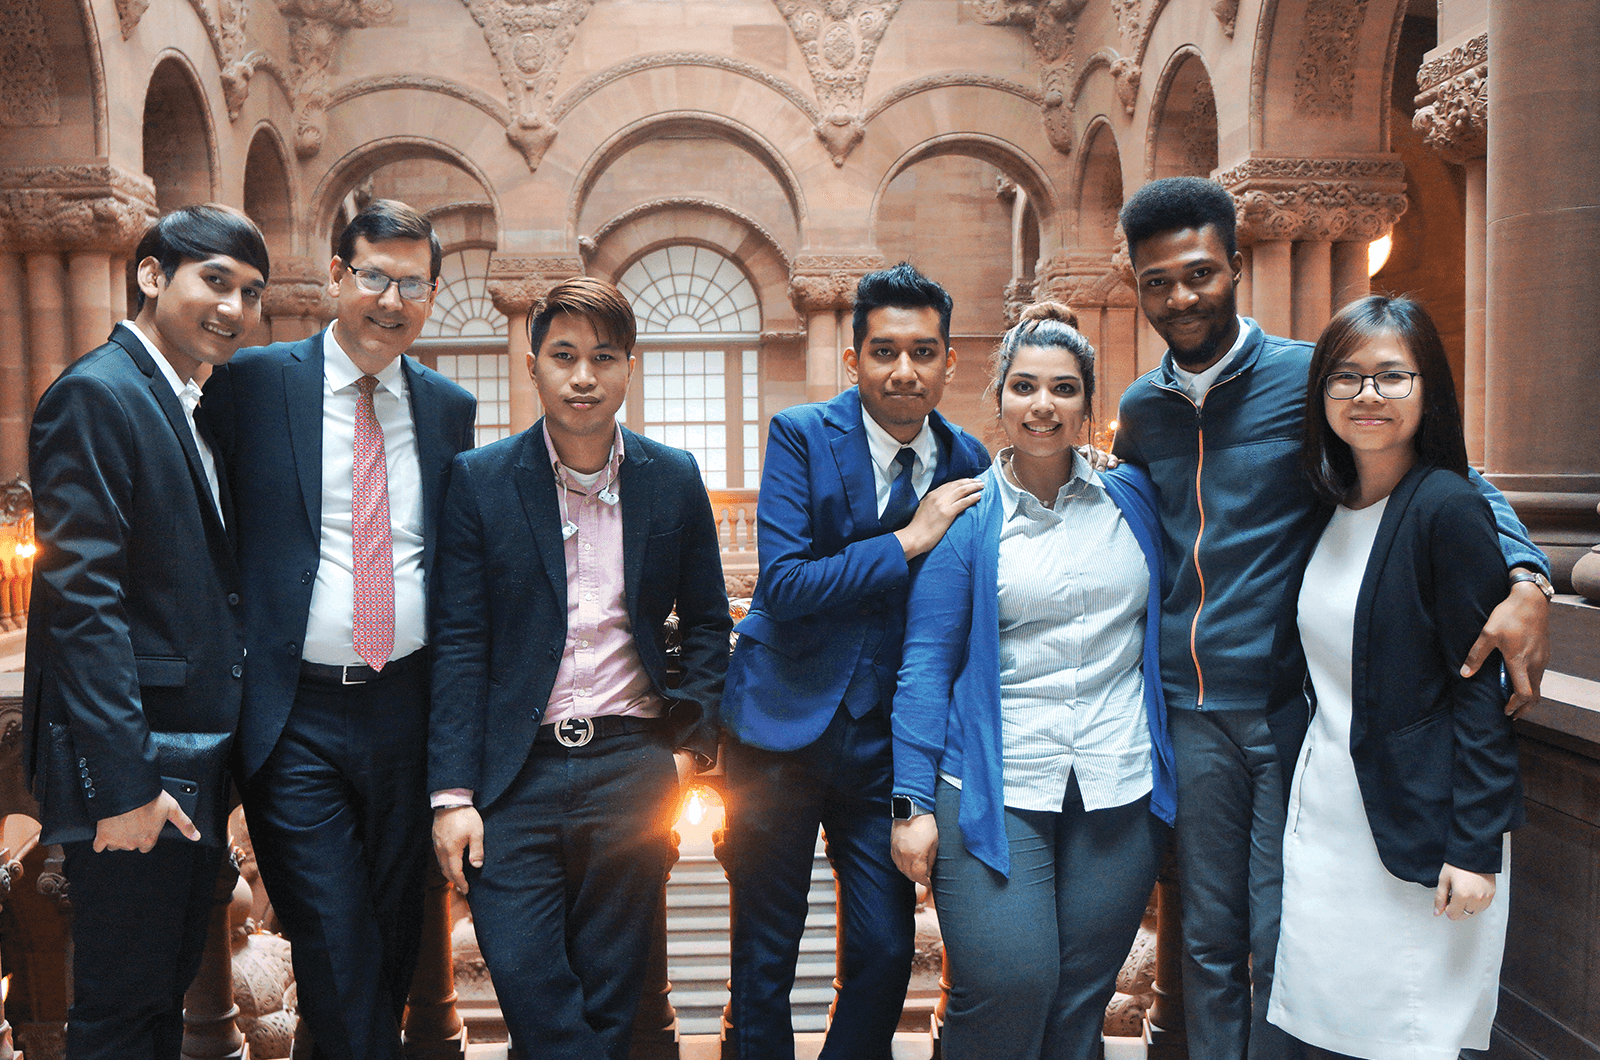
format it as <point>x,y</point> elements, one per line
<point>372,540</point>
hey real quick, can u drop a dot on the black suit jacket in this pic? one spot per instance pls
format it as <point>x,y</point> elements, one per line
<point>265,409</point>
<point>1434,753</point>
<point>133,626</point>
<point>501,609</point>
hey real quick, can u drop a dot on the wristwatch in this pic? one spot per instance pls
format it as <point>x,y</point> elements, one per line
<point>904,807</point>
<point>1522,574</point>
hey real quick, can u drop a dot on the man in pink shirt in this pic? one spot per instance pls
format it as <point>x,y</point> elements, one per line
<point>556,749</point>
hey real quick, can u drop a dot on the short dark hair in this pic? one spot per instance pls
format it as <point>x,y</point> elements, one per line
<point>596,301</point>
<point>1439,441</point>
<point>1050,326</point>
<point>383,219</point>
<point>902,287</point>
<point>197,232</point>
<point>1175,203</point>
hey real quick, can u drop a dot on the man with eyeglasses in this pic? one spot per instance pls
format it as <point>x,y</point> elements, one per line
<point>1219,424</point>
<point>339,448</point>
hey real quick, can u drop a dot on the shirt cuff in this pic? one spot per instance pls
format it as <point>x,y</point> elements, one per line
<point>450,798</point>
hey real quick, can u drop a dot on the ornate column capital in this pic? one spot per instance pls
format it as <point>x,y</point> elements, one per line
<point>516,285</point>
<point>1328,199</point>
<point>74,207</point>
<point>1086,281</point>
<point>299,288</point>
<point>1453,101</point>
<point>1053,29</point>
<point>823,282</point>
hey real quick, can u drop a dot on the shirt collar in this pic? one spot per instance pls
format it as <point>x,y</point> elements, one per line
<point>341,371</point>
<point>883,446</point>
<point>563,474</point>
<point>188,393</point>
<point>1014,497</point>
<point>1200,382</point>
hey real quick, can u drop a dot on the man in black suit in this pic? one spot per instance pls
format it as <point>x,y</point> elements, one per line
<point>134,641</point>
<point>339,447</point>
<point>556,748</point>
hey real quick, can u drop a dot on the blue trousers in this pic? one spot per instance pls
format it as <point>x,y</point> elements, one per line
<point>1018,990</point>
<point>776,801</point>
<point>1231,806</point>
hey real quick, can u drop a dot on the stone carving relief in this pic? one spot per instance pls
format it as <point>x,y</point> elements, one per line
<point>299,288</point>
<point>1086,280</point>
<point>315,29</point>
<point>1134,24</point>
<point>1125,75</point>
<point>822,282</point>
<point>1052,26</point>
<point>129,12</point>
<point>28,94</point>
<point>80,207</point>
<point>1227,12</point>
<point>1200,131</point>
<point>838,39</point>
<point>530,40</point>
<point>226,32</point>
<point>1453,102</point>
<point>516,285</point>
<point>1017,297</point>
<point>1324,84</point>
<point>1316,199</point>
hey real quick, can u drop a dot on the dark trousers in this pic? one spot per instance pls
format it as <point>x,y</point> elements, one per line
<point>1231,807</point>
<point>1018,990</point>
<point>569,899</point>
<point>776,801</point>
<point>138,929</point>
<point>340,822</point>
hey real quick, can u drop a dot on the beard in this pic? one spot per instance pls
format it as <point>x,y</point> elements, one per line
<point>1201,356</point>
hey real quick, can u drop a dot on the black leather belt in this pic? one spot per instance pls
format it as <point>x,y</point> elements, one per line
<point>325,674</point>
<point>576,732</point>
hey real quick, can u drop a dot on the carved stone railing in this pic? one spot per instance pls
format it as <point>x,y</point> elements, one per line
<point>735,514</point>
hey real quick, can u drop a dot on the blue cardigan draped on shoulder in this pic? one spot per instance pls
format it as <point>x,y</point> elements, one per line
<point>946,714</point>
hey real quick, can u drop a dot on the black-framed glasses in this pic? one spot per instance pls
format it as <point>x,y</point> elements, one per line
<point>1342,386</point>
<point>374,282</point>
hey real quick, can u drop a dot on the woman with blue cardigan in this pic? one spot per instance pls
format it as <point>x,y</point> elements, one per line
<point>1033,775</point>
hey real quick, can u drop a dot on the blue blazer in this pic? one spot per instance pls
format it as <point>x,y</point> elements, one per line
<point>500,615</point>
<point>264,408</point>
<point>952,656</point>
<point>828,615</point>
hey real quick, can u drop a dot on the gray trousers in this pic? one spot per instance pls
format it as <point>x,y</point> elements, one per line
<point>1034,957</point>
<point>1231,808</point>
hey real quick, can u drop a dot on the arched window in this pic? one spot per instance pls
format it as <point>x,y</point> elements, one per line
<point>465,338</point>
<point>699,330</point>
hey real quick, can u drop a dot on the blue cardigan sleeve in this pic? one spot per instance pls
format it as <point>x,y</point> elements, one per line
<point>938,621</point>
<point>1515,544</point>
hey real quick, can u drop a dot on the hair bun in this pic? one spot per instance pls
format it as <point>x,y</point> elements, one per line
<point>1049,311</point>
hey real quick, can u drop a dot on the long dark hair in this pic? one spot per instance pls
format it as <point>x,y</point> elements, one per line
<point>1439,440</point>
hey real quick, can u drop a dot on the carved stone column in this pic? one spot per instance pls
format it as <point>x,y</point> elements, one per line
<point>1453,116</point>
<point>15,404</point>
<point>1543,209</point>
<point>434,1030</point>
<point>89,293</point>
<point>1320,204</point>
<point>48,350</point>
<point>297,303</point>
<point>209,1030</point>
<point>822,289</point>
<point>517,285</point>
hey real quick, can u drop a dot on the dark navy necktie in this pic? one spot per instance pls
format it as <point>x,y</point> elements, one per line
<point>902,495</point>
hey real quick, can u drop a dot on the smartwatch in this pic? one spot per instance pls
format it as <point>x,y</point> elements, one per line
<point>903,808</point>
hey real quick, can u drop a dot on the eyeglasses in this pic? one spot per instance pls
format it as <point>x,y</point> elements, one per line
<point>374,282</point>
<point>1342,386</point>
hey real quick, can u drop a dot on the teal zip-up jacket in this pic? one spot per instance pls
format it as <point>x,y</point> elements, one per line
<point>1238,516</point>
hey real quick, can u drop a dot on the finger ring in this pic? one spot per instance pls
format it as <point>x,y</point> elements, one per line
<point>1470,912</point>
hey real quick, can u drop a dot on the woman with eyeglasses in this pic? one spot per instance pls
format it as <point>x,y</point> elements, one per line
<point>1395,859</point>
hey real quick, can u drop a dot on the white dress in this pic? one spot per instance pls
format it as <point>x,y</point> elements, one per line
<point>1364,967</point>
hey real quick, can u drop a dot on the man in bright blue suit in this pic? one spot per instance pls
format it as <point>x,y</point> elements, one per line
<point>853,492</point>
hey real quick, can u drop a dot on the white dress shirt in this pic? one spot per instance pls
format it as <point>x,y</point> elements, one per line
<point>330,630</point>
<point>189,397</point>
<point>1198,384</point>
<point>883,449</point>
<point>1073,585</point>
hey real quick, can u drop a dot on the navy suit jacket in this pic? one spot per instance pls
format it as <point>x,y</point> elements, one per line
<point>828,617</point>
<point>500,619</point>
<point>265,409</point>
<point>134,626</point>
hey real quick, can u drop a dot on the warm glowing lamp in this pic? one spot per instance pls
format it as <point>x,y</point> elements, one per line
<point>1378,253</point>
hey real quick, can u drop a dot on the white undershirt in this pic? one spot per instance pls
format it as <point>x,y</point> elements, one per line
<point>189,397</point>
<point>883,448</point>
<point>1198,384</point>
<point>330,628</point>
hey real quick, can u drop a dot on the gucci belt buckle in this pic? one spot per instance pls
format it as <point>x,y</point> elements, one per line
<point>574,732</point>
